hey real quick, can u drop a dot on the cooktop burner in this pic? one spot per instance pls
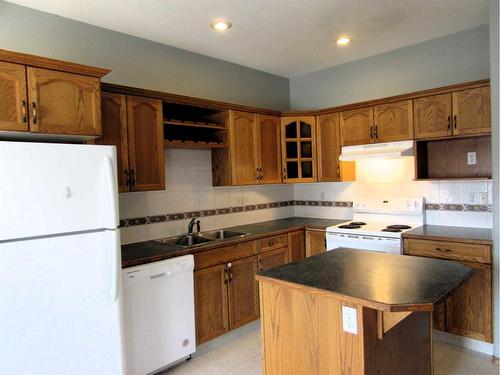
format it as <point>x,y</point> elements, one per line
<point>398,226</point>
<point>350,226</point>
<point>357,223</point>
<point>389,229</point>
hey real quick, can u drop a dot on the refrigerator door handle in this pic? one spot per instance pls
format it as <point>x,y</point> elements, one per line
<point>115,265</point>
<point>112,190</point>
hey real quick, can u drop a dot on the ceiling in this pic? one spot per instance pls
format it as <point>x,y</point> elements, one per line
<point>283,37</point>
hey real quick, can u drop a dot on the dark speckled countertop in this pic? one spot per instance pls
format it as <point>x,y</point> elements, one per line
<point>445,233</point>
<point>152,251</point>
<point>383,281</point>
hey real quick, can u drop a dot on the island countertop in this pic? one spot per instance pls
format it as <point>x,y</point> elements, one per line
<point>384,282</point>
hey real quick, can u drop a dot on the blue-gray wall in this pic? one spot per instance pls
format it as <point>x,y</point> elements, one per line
<point>439,62</point>
<point>138,62</point>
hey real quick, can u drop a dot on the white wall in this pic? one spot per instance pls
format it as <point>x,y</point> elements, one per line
<point>389,178</point>
<point>189,188</point>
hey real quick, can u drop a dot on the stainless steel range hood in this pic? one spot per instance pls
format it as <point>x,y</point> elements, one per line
<point>377,151</point>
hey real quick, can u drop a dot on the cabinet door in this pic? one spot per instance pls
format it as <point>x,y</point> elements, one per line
<point>393,121</point>
<point>211,305</point>
<point>439,316</point>
<point>298,149</point>
<point>315,242</point>
<point>114,132</point>
<point>64,103</point>
<point>243,296</point>
<point>328,135</point>
<point>296,246</point>
<point>273,258</point>
<point>268,140</point>
<point>468,308</point>
<point>356,126</point>
<point>471,111</point>
<point>244,159</point>
<point>432,116</point>
<point>13,98</point>
<point>145,143</point>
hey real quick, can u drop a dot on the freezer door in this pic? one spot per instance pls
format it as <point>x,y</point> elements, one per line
<point>48,188</point>
<point>61,305</point>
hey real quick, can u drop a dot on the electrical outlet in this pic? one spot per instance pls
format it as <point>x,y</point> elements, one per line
<point>472,199</point>
<point>471,158</point>
<point>483,198</point>
<point>350,319</point>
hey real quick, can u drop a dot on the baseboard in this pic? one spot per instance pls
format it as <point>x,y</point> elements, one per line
<point>464,342</point>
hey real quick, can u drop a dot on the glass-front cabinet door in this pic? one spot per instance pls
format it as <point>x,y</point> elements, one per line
<point>298,149</point>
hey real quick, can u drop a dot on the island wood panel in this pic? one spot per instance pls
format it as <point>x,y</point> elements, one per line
<point>432,116</point>
<point>273,258</point>
<point>471,111</point>
<point>393,121</point>
<point>114,132</point>
<point>439,316</point>
<point>296,245</point>
<point>145,135</point>
<point>13,97</point>
<point>469,307</point>
<point>243,148</point>
<point>243,292</point>
<point>302,333</point>
<point>269,152</point>
<point>330,168</point>
<point>211,303</point>
<point>63,103</point>
<point>356,126</point>
<point>315,242</point>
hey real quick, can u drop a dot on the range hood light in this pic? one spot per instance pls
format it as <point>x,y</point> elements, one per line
<point>389,150</point>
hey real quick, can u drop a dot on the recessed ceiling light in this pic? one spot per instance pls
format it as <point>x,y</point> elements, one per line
<point>343,41</point>
<point>221,25</point>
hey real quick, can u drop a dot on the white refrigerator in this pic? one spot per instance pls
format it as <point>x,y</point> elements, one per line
<point>60,306</point>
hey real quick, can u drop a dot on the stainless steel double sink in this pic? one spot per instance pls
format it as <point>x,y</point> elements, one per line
<point>202,238</point>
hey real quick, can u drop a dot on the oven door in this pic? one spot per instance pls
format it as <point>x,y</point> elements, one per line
<point>361,242</point>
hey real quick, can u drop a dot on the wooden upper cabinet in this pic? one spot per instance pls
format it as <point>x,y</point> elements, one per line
<point>63,103</point>
<point>244,158</point>
<point>211,303</point>
<point>243,295</point>
<point>432,116</point>
<point>356,126</point>
<point>269,153</point>
<point>145,143</point>
<point>298,149</point>
<point>471,111</point>
<point>13,97</point>
<point>114,132</point>
<point>330,168</point>
<point>393,121</point>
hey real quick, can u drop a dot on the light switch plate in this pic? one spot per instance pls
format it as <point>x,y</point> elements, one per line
<point>350,320</point>
<point>483,198</point>
<point>471,158</point>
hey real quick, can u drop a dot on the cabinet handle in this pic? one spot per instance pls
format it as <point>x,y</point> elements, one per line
<point>261,173</point>
<point>455,122</point>
<point>376,131</point>
<point>127,177</point>
<point>338,171</point>
<point>257,176</point>
<point>284,173</point>
<point>35,116</point>
<point>25,115</point>
<point>449,122</point>
<point>443,250</point>
<point>132,177</point>
<point>371,132</point>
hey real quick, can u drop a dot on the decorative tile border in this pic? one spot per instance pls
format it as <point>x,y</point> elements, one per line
<point>457,207</point>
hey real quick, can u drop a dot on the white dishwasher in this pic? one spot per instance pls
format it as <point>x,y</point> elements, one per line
<point>158,311</point>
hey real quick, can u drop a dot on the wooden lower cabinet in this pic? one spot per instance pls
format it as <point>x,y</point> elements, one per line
<point>315,242</point>
<point>273,258</point>
<point>211,302</point>
<point>468,310</point>
<point>242,288</point>
<point>296,246</point>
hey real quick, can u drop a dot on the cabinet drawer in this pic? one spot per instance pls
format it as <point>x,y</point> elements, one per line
<point>274,242</point>
<point>224,254</point>
<point>448,250</point>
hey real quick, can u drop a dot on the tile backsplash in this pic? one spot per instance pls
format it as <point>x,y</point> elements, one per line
<point>189,192</point>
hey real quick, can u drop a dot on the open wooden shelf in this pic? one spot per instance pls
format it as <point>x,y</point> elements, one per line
<point>195,125</point>
<point>193,145</point>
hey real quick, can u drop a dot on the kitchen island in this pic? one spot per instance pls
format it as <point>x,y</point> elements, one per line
<point>353,312</point>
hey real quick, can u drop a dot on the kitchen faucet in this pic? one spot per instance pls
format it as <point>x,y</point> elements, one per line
<point>194,221</point>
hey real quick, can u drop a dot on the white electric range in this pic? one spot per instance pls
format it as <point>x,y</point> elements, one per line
<point>377,224</point>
